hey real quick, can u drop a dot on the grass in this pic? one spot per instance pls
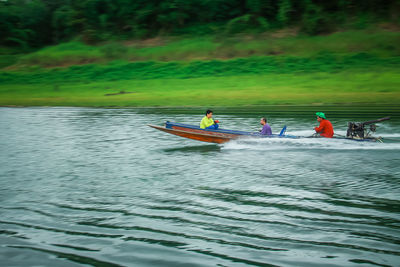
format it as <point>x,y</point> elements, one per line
<point>286,43</point>
<point>7,60</point>
<point>276,68</point>
<point>268,89</point>
<point>120,70</point>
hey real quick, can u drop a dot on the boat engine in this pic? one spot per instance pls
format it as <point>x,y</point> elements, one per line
<point>360,130</point>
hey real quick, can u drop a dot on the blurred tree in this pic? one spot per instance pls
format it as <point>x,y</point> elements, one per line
<point>63,23</point>
<point>24,23</point>
<point>173,14</point>
<point>283,15</point>
<point>40,22</point>
<point>314,20</point>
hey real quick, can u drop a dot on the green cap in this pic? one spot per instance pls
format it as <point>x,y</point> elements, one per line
<point>321,115</point>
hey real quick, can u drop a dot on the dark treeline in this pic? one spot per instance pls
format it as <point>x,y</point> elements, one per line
<point>34,23</point>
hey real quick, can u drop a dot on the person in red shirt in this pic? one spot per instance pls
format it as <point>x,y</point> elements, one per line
<point>325,128</point>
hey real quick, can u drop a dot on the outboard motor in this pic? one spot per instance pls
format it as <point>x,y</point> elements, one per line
<point>359,130</point>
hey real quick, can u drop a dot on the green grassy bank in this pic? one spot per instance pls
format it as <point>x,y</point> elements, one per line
<point>350,67</point>
<point>265,89</point>
<point>287,42</point>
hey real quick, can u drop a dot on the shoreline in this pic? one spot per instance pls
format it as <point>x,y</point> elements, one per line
<point>337,110</point>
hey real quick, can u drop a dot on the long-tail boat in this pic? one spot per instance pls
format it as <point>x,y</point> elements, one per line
<point>357,131</point>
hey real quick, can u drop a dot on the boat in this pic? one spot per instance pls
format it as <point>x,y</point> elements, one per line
<point>357,131</point>
<point>213,136</point>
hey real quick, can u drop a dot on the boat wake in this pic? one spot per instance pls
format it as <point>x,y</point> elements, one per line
<point>342,133</point>
<point>308,144</point>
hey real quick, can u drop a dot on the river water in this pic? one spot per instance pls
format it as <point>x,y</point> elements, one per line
<point>81,186</point>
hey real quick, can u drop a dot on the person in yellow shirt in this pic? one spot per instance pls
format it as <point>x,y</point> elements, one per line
<point>207,122</point>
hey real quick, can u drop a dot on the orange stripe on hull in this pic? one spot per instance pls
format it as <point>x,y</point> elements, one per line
<point>198,135</point>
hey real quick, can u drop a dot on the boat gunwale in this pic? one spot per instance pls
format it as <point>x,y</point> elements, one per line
<point>209,132</point>
<point>227,131</point>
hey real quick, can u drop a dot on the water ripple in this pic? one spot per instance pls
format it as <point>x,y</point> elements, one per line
<point>98,187</point>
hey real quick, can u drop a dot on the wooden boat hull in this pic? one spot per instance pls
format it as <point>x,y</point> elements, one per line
<point>204,137</point>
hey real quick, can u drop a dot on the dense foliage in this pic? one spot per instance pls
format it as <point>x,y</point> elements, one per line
<point>34,23</point>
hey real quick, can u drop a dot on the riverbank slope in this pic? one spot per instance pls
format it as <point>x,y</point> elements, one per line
<point>271,69</point>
